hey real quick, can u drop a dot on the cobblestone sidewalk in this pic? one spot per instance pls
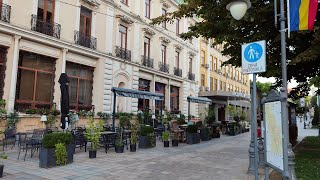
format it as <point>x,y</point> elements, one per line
<point>219,159</point>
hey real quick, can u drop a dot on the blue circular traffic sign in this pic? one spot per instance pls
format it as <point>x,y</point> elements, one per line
<point>253,52</point>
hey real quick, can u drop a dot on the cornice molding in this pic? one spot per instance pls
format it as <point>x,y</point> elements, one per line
<point>148,31</point>
<point>92,2</point>
<point>165,40</point>
<point>125,19</point>
<point>165,4</point>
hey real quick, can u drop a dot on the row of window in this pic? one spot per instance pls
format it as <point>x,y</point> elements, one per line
<point>143,104</point>
<point>35,83</point>
<point>223,85</point>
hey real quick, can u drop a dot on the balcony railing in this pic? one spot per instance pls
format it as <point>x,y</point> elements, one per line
<point>48,28</point>
<point>164,67</point>
<point>177,72</point>
<point>84,40</point>
<point>5,13</point>
<point>191,76</point>
<point>123,53</point>
<point>147,62</point>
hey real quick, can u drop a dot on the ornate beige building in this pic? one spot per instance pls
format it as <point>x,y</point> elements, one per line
<point>223,84</point>
<point>100,44</point>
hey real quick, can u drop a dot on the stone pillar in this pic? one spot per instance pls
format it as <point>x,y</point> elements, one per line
<point>12,94</point>
<point>216,111</point>
<point>135,85</point>
<point>152,90</point>
<point>109,40</point>
<point>64,60</point>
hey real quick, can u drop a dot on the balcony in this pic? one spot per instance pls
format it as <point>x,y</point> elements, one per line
<point>84,40</point>
<point>47,28</point>
<point>191,76</point>
<point>177,72</point>
<point>5,13</point>
<point>147,62</point>
<point>164,67</point>
<point>123,53</point>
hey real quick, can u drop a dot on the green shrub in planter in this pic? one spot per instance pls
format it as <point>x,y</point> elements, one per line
<point>50,140</point>
<point>52,151</point>
<point>61,154</point>
<point>147,138</point>
<point>145,130</point>
<point>192,128</point>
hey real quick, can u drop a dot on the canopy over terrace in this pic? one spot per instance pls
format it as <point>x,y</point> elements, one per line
<point>133,94</point>
<point>196,100</point>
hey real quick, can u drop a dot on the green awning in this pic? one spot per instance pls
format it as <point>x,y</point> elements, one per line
<point>199,100</point>
<point>137,94</point>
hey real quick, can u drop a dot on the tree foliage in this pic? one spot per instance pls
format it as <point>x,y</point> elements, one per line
<point>303,55</point>
<point>264,87</point>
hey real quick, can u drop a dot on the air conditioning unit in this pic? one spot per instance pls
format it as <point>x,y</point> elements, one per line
<point>207,66</point>
<point>207,88</point>
<point>201,88</point>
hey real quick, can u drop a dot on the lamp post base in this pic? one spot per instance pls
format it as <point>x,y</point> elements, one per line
<point>251,168</point>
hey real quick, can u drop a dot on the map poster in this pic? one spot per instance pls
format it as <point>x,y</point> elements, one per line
<point>273,137</point>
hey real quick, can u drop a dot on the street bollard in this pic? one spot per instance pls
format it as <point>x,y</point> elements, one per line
<point>291,163</point>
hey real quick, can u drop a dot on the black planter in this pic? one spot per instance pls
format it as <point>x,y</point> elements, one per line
<point>145,142</point>
<point>133,147</point>
<point>92,154</point>
<point>47,158</point>
<point>204,134</point>
<point>1,170</point>
<point>216,135</point>
<point>193,138</point>
<point>166,143</point>
<point>175,143</point>
<point>119,149</point>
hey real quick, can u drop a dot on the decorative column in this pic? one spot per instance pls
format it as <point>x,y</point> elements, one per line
<point>64,60</point>
<point>12,94</point>
<point>261,152</point>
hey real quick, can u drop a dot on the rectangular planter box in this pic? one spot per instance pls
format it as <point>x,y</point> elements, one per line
<point>193,138</point>
<point>204,134</point>
<point>145,142</point>
<point>47,157</point>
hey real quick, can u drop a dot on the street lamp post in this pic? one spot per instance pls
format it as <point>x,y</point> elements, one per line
<point>238,9</point>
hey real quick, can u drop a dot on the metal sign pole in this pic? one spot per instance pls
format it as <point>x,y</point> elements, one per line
<point>255,125</point>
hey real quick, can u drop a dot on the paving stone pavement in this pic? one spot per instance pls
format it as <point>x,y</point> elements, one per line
<point>219,159</point>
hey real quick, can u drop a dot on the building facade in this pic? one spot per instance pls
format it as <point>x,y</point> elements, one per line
<point>100,44</point>
<point>223,84</point>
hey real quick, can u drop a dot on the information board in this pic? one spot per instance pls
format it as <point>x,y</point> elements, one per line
<point>273,137</point>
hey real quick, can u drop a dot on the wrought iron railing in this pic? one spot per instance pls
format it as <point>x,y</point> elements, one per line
<point>48,28</point>
<point>123,53</point>
<point>84,40</point>
<point>148,62</point>
<point>5,13</point>
<point>164,67</point>
<point>177,71</point>
<point>191,76</point>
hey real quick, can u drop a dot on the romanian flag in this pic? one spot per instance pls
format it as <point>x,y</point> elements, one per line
<point>302,14</point>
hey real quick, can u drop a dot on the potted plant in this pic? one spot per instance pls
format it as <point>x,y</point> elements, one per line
<point>216,132</point>
<point>93,134</point>
<point>181,120</point>
<point>2,156</point>
<point>193,137</point>
<point>175,139</point>
<point>2,103</point>
<point>134,137</point>
<point>119,146</point>
<point>146,138</point>
<point>165,138</point>
<point>57,149</point>
<point>31,111</point>
<point>13,118</point>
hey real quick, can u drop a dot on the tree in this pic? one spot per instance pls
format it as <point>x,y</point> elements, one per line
<point>303,55</point>
<point>313,101</point>
<point>315,81</point>
<point>315,120</point>
<point>264,87</point>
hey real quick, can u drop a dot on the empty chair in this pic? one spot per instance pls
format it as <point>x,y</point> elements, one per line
<point>9,136</point>
<point>79,139</point>
<point>25,144</point>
